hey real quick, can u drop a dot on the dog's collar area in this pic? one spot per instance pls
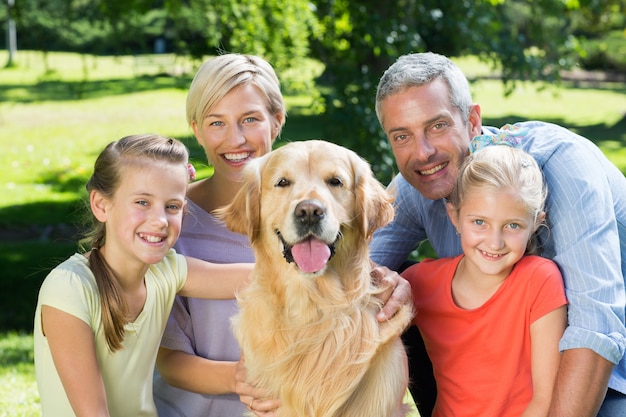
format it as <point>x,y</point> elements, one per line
<point>287,248</point>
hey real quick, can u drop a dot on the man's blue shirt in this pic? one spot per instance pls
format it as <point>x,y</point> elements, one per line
<point>586,236</point>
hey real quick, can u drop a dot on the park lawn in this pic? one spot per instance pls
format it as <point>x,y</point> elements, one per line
<point>17,376</point>
<point>55,118</point>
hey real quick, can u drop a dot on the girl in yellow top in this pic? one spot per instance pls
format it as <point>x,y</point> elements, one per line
<point>100,315</point>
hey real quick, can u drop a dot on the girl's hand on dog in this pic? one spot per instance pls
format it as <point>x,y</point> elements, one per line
<point>397,291</point>
<point>253,397</point>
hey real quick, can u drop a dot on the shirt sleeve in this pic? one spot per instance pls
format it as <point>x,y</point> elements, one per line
<point>178,333</point>
<point>69,289</point>
<point>392,244</point>
<point>549,291</point>
<point>586,247</point>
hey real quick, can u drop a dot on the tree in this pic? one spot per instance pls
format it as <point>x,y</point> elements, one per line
<point>356,40</point>
<point>11,33</point>
<point>277,30</point>
<point>522,39</point>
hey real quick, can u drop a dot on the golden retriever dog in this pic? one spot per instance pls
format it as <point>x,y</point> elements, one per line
<point>307,325</point>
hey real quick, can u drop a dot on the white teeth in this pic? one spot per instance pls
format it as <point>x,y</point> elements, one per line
<point>152,239</point>
<point>236,157</point>
<point>433,170</point>
<point>491,255</point>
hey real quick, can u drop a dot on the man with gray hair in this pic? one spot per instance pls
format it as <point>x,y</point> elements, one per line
<point>424,105</point>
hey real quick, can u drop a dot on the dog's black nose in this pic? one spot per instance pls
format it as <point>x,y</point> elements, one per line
<point>309,212</point>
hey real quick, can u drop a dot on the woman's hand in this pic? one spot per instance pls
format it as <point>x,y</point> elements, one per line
<point>253,397</point>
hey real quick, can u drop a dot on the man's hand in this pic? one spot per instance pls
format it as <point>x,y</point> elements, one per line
<point>396,291</point>
<point>253,397</point>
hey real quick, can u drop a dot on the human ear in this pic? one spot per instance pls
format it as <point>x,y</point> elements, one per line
<point>98,204</point>
<point>453,214</point>
<point>541,217</point>
<point>194,127</point>
<point>475,120</point>
<point>278,122</point>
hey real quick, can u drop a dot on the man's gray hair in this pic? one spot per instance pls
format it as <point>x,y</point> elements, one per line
<point>417,69</point>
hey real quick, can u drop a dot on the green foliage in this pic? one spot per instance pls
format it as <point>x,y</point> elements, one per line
<point>595,18</point>
<point>523,40</point>
<point>358,43</point>
<point>15,348</point>
<point>277,30</point>
<point>59,24</point>
<point>607,53</point>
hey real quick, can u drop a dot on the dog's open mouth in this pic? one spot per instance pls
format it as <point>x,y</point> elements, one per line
<point>310,255</point>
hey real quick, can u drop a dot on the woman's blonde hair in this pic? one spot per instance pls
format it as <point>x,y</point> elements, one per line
<point>218,75</point>
<point>501,167</point>
<point>106,178</point>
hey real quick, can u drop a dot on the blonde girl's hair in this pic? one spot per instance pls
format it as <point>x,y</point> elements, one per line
<point>106,178</point>
<point>218,75</point>
<point>501,167</point>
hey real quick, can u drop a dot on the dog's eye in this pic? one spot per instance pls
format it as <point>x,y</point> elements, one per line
<point>283,182</point>
<point>335,182</point>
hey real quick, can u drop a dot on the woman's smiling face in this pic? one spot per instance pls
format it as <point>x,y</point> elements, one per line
<point>239,127</point>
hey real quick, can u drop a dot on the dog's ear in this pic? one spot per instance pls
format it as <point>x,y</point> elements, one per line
<point>374,203</point>
<point>242,215</point>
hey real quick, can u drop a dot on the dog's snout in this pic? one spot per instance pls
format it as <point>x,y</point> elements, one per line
<point>310,212</point>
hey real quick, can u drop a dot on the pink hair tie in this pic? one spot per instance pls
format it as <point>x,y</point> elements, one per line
<point>192,172</point>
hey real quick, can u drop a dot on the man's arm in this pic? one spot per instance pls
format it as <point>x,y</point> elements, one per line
<point>580,384</point>
<point>587,250</point>
<point>392,244</point>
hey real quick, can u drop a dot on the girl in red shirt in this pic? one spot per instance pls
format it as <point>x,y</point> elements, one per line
<point>492,317</point>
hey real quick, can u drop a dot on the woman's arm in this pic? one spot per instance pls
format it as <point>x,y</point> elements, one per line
<point>204,376</point>
<point>215,281</point>
<point>545,334</point>
<point>195,373</point>
<point>73,351</point>
<point>253,397</point>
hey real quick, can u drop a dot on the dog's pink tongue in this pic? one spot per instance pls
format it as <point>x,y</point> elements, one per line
<point>311,254</point>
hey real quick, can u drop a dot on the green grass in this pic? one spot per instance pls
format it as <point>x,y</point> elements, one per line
<point>56,116</point>
<point>596,113</point>
<point>17,376</point>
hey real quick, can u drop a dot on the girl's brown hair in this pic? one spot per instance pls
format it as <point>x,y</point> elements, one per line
<point>106,179</point>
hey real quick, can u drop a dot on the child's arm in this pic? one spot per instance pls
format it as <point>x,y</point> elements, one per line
<point>545,334</point>
<point>215,281</point>
<point>73,351</point>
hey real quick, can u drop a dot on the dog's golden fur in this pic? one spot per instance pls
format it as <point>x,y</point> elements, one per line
<point>312,338</point>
